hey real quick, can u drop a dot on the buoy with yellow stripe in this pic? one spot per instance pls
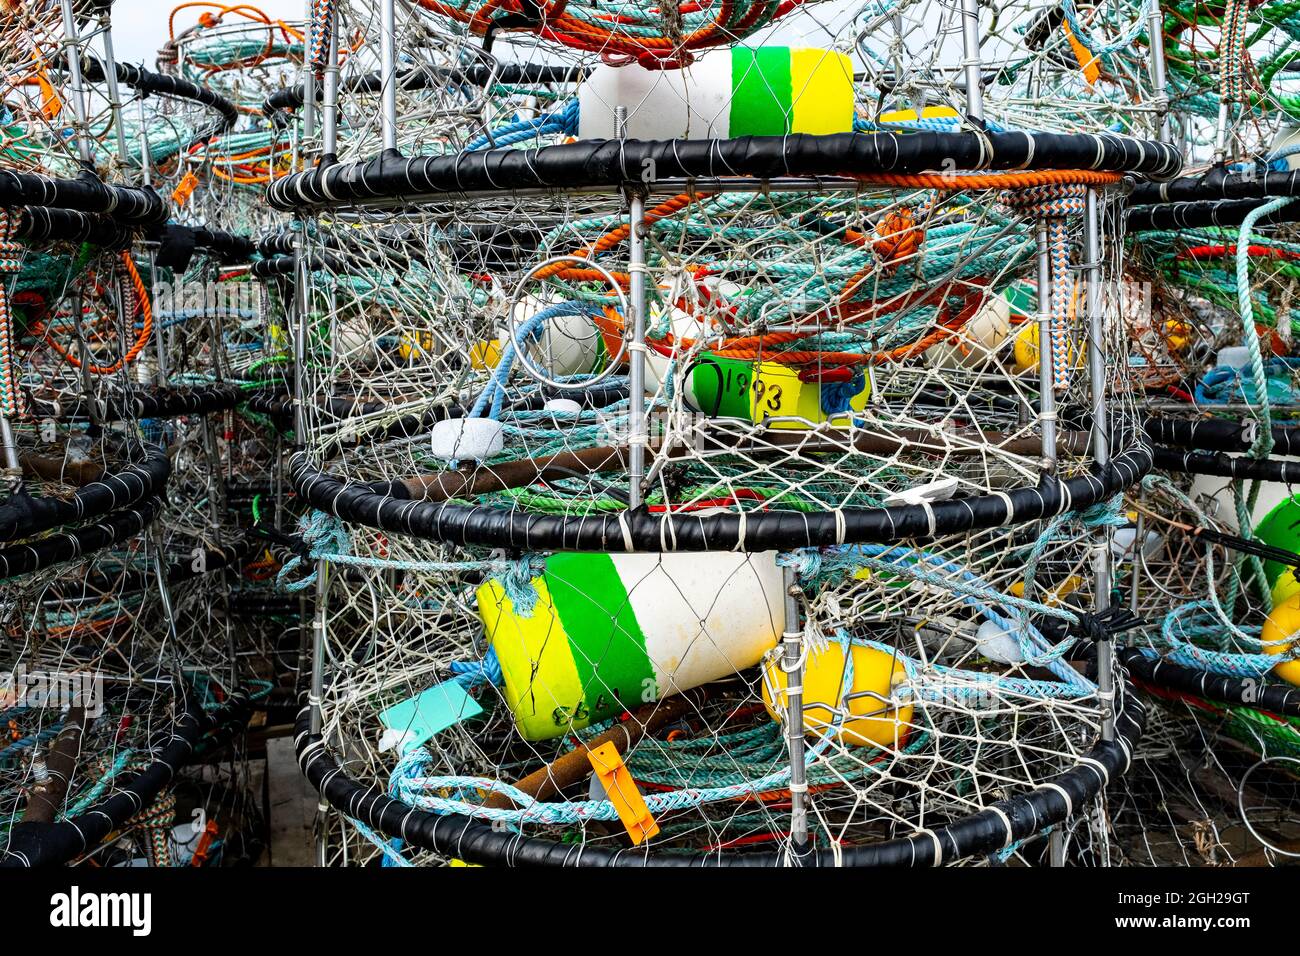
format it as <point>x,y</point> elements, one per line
<point>610,632</point>
<point>723,387</point>
<point>768,91</point>
<point>1278,628</point>
<point>867,719</point>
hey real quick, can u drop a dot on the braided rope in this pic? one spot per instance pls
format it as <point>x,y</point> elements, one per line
<point>1235,26</point>
<point>1054,204</point>
<point>322,32</point>
<point>10,264</point>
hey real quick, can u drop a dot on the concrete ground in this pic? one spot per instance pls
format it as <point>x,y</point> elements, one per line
<point>291,803</point>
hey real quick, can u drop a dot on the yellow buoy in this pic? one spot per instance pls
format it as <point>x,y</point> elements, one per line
<point>1026,349</point>
<point>413,346</point>
<point>871,722</point>
<point>485,355</point>
<point>1280,625</point>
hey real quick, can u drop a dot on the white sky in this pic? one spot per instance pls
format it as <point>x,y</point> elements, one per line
<point>140,26</point>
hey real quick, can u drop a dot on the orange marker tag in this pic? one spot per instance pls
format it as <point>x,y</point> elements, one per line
<point>1087,62</point>
<point>51,105</point>
<point>181,195</point>
<point>622,792</point>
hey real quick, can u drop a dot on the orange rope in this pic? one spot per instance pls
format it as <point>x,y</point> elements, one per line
<point>756,347</point>
<point>564,270</point>
<point>146,328</point>
<point>949,181</point>
<point>897,237</point>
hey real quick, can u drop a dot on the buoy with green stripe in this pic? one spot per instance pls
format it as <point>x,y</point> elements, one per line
<point>610,632</point>
<point>1280,528</point>
<point>768,91</point>
<point>722,387</point>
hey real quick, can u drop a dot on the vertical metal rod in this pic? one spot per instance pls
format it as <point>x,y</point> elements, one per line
<point>1056,848</point>
<point>146,159</point>
<point>1221,133</point>
<point>1100,446</point>
<point>792,665</point>
<point>159,335</point>
<point>1139,539</point>
<point>1046,380</point>
<point>114,94</point>
<point>212,307</point>
<point>330,99</point>
<point>13,466</point>
<point>72,60</point>
<point>1159,83</point>
<point>638,433</point>
<point>218,350</point>
<point>308,109</point>
<point>309,81</point>
<point>278,483</point>
<point>301,310</point>
<point>87,359</point>
<point>164,592</point>
<point>316,694</point>
<point>1047,422</point>
<point>388,73</point>
<point>970,44</point>
<point>217,495</point>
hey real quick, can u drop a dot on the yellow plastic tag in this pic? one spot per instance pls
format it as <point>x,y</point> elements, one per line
<point>622,792</point>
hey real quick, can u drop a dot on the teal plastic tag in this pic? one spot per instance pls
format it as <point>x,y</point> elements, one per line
<point>414,721</point>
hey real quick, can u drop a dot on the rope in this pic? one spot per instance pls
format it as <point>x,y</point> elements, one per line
<point>11,263</point>
<point>1053,205</point>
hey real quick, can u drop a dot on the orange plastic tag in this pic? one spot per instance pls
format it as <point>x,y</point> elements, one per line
<point>1087,62</point>
<point>51,105</point>
<point>622,792</point>
<point>181,195</point>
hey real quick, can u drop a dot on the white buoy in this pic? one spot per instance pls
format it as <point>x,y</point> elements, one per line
<point>998,644</point>
<point>722,94</point>
<point>353,340</point>
<point>567,345</point>
<point>1121,544</point>
<point>610,632</point>
<point>940,490</point>
<point>566,406</point>
<point>1234,356</point>
<point>467,439</point>
<point>978,339</point>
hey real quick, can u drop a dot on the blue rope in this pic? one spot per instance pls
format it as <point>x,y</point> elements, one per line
<point>563,121</point>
